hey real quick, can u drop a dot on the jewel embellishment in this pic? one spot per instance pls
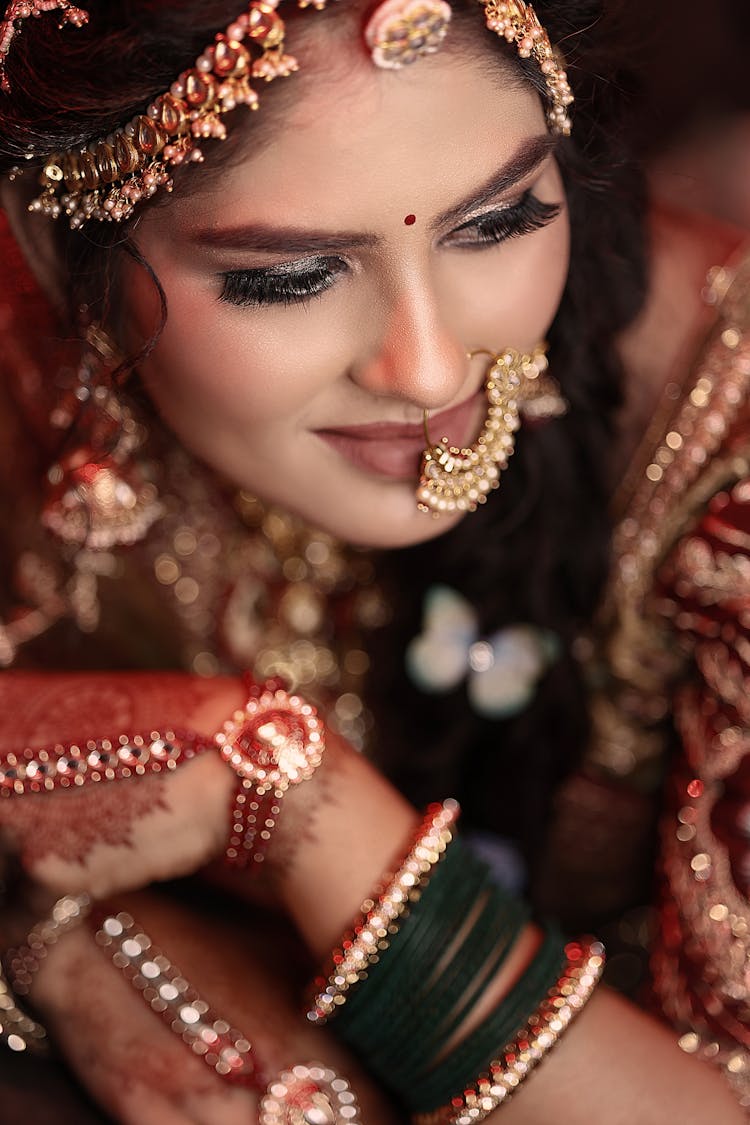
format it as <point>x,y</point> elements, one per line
<point>275,742</point>
<point>69,765</point>
<point>311,1094</point>
<point>401,31</point>
<point>460,479</point>
<point>23,9</point>
<point>518,23</point>
<point>108,179</point>
<point>223,1048</point>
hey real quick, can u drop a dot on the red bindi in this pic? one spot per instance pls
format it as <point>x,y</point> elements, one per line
<point>410,220</point>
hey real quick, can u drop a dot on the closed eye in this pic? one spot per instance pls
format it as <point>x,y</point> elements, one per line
<point>295,283</point>
<point>290,284</point>
<point>521,218</point>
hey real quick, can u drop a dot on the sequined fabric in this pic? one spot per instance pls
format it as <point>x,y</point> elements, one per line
<point>669,668</point>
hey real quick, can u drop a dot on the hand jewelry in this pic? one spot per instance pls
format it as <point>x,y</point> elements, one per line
<point>23,963</point>
<point>275,741</point>
<point>309,1093</point>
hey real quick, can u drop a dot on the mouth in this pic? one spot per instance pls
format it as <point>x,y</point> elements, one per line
<point>394,449</point>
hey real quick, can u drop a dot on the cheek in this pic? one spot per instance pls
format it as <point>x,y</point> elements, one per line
<point>211,365</point>
<point>514,290</point>
<point>219,366</point>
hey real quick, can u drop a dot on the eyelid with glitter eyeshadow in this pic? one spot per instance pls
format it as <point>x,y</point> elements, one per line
<point>294,283</point>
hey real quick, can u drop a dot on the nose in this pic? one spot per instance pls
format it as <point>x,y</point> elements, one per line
<point>415,355</point>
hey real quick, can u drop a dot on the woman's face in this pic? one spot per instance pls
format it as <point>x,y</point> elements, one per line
<point>325,290</point>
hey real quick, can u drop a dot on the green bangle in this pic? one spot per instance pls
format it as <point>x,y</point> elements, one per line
<point>446,1008</point>
<point>475,1052</point>
<point>420,941</point>
<point>405,992</point>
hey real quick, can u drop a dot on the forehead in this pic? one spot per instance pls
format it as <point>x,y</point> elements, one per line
<point>341,139</point>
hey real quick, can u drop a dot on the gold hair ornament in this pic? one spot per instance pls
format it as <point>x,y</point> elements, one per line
<point>518,23</point>
<point>21,10</point>
<point>401,31</point>
<point>460,479</point>
<point>107,179</point>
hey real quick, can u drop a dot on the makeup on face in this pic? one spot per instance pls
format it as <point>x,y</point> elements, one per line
<point>311,324</point>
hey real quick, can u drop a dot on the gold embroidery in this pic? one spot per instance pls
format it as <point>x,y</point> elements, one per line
<point>711,577</point>
<point>701,965</point>
<point>704,447</point>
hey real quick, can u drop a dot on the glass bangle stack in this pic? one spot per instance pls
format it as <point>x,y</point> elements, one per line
<point>402,986</point>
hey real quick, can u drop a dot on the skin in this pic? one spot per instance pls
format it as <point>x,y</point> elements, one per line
<point>250,389</point>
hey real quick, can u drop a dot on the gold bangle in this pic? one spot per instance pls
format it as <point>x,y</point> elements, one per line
<point>18,1031</point>
<point>22,964</point>
<point>362,946</point>
<point>585,962</point>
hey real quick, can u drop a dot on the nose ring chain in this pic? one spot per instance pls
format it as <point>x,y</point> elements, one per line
<point>460,479</point>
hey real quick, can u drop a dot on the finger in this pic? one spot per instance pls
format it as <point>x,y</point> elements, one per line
<point>132,1064</point>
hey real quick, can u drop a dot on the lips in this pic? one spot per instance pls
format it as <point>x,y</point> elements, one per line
<point>394,449</point>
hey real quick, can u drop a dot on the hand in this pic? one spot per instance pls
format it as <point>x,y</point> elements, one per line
<point>140,1071</point>
<point>113,836</point>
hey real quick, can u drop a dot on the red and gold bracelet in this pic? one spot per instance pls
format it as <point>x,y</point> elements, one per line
<point>583,969</point>
<point>275,741</point>
<point>371,934</point>
<point>71,765</point>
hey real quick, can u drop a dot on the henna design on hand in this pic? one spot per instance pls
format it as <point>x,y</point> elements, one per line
<point>69,825</point>
<point>119,1049</point>
<point>39,710</point>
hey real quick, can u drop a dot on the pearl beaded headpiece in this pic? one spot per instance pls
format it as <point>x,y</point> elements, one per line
<point>109,178</point>
<point>21,10</point>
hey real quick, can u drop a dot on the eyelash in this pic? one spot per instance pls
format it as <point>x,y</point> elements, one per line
<point>258,288</point>
<point>524,217</point>
<point>261,287</point>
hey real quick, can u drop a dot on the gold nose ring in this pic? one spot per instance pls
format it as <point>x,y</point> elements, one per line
<point>453,478</point>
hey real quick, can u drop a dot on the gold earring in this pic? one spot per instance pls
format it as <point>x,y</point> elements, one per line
<point>460,479</point>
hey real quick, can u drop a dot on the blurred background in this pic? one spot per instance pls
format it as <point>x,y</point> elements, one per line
<point>691,100</point>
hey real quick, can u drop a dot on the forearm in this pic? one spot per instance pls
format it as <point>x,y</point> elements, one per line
<point>614,1065</point>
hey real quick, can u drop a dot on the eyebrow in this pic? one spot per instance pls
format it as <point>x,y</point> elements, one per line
<point>266,238</point>
<point>524,161</point>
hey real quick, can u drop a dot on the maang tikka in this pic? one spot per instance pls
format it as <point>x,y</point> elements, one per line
<point>454,478</point>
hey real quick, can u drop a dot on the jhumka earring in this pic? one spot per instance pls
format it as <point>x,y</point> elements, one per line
<point>100,496</point>
<point>460,479</point>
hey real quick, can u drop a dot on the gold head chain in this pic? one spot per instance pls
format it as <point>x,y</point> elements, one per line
<point>107,179</point>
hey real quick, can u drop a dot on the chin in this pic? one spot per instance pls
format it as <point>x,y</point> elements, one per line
<point>385,524</point>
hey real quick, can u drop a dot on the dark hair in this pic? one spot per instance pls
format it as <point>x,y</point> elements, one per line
<point>538,551</point>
